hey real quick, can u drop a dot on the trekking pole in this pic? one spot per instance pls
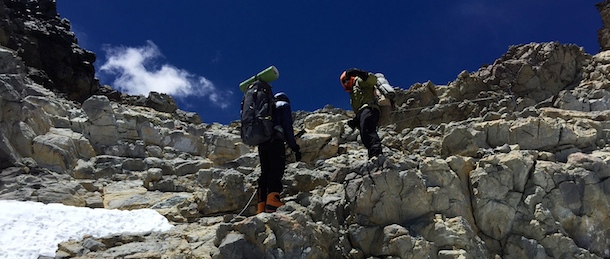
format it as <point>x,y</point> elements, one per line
<point>245,207</point>
<point>300,133</point>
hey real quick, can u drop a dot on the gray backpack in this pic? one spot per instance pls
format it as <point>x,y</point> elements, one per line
<point>385,94</point>
<point>256,111</point>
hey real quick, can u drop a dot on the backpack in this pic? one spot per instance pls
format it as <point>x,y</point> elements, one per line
<point>384,94</point>
<point>256,110</point>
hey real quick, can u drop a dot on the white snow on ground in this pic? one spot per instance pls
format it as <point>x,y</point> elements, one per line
<point>30,229</point>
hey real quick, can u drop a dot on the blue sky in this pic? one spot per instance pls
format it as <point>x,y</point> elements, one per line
<point>199,51</point>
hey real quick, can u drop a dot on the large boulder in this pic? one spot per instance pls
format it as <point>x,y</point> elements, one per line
<point>59,149</point>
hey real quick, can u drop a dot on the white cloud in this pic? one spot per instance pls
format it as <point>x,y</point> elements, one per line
<point>137,74</point>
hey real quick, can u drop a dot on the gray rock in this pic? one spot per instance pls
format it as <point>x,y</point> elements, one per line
<point>161,102</point>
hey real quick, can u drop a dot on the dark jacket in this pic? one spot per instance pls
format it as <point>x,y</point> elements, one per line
<point>282,119</point>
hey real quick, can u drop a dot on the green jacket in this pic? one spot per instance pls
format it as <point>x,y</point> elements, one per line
<point>363,93</point>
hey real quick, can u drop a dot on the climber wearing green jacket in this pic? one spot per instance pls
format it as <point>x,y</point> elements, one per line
<point>361,88</point>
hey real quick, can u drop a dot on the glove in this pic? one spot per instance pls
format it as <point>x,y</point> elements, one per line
<point>352,124</point>
<point>297,153</point>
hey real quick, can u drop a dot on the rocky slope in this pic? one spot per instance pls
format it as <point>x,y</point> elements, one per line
<point>510,161</point>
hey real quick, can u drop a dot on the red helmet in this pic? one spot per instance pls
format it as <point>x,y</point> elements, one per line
<point>347,82</point>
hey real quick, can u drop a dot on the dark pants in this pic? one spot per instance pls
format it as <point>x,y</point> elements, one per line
<point>272,156</point>
<point>367,120</point>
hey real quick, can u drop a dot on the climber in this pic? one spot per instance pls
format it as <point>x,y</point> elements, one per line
<point>360,86</point>
<point>273,157</point>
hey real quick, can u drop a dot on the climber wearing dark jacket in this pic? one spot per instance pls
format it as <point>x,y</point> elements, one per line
<point>360,86</point>
<point>272,155</point>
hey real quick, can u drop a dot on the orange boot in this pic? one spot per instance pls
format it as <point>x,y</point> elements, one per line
<point>273,202</point>
<point>261,207</point>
